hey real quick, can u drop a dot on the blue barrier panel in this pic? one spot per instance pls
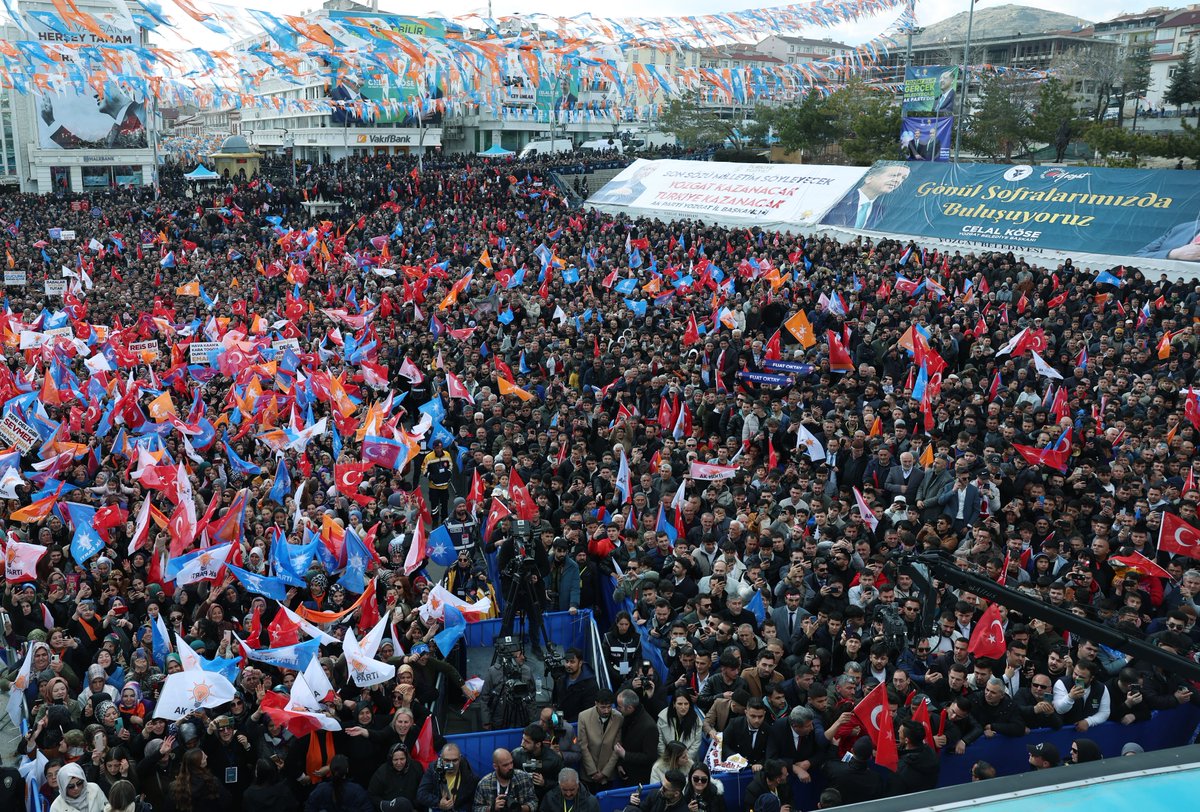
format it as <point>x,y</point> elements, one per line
<point>477,747</point>
<point>565,629</point>
<point>1008,755</point>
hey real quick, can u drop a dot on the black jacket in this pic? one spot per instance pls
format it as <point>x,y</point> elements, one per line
<point>277,797</point>
<point>856,781</point>
<point>738,739</point>
<point>639,737</point>
<point>584,801</point>
<point>781,743</point>
<point>429,793</point>
<point>386,784</point>
<point>1004,717</point>
<point>353,798</point>
<point>918,770</point>
<point>572,698</point>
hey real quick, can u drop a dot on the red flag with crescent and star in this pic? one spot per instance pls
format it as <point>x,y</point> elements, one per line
<point>1177,536</point>
<point>988,638</point>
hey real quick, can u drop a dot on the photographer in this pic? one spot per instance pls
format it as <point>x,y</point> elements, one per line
<point>536,757</point>
<point>644,683</point>
<point>560,735</point>
<point>523,567</point>
<point>448,784</point>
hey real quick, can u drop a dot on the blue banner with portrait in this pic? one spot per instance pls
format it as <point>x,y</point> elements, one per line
<point>1153,214</point>
<point>926,139</point>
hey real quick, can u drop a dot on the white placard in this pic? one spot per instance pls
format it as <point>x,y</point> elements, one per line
<point>17,433</point>
<point>198,351</point>
<point>55,287</point>
<point>140,347</point>
<point>15,279</point>
<point>286,343</point>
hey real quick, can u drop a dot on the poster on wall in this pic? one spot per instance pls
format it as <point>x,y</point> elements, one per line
<point>930,91</point>
<point>1086,210</point>
<point>763,194</point>
<point>926,139</point>
<point>103,115</point>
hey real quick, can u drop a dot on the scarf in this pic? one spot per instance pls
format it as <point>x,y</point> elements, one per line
<point>68,773</point>
<point>320,751</point>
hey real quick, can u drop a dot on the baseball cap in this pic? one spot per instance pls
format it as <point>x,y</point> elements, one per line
<point>1046,750</point>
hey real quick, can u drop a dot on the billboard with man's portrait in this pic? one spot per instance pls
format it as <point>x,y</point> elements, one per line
<point>105,115</point>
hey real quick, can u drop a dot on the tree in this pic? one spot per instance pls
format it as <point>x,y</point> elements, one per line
<point>804,126</point>
<point>1135,80</point>
<point>867,120</point>
<point>695,123</point>
<point>1184,87</point>
<point>1121,147</point>
<point>1099,62</point>
<point>1053,120</point>
<point>999,126</point>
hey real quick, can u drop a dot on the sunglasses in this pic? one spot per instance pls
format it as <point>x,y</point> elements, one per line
<point>75,785</point>
<point>699,779</point>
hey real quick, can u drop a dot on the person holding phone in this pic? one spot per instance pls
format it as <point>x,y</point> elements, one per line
<point>1081,699</point>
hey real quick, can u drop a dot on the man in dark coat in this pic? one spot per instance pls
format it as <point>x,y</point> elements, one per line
<point>638,749</point>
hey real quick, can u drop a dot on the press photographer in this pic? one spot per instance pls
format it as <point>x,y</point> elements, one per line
<point>508,688</point>
<point>536,757</point>
<point>449,784</point>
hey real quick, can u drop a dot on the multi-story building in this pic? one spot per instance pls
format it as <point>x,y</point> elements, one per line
<point>63,133</point>
<point>798,50</point>
<point>1171,39</point>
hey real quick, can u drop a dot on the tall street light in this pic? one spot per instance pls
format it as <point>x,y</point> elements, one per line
<point>966,80</point>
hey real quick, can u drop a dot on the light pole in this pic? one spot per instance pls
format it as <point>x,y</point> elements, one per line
<point>289,143</point>
<point>966,80</point>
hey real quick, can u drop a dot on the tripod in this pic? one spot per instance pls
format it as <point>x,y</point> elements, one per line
<point>522,588</point>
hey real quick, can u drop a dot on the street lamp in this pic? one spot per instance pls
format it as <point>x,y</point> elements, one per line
<point>966,74</point>
<point>289,143</point>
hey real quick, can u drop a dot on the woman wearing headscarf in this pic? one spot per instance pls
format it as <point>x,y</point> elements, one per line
<point>339,793</point>
<point>395,782</point>
<point>76,794</point>
<point>1083,751</point>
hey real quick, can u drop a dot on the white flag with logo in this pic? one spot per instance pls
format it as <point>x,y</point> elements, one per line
<point>811,445</point>
<point>186,692</point>
<point>16,693</point>
<point>206,566</point>
<point>364,670</point>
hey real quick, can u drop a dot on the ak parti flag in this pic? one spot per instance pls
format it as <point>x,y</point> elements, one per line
<point>799,326</point>
<point>507,388</point>
<point>36,511</point>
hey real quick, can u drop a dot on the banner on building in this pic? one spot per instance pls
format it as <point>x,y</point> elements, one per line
<point>111,115</point>
<point>388,98</point>
<point>930,91</point>
<point>926,139</point>
<point>758,194</point>
<point>1081,210</point>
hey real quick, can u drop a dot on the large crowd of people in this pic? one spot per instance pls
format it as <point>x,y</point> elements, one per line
<point>735,451</point>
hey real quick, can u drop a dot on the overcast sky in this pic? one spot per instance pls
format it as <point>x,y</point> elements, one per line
<point>928,11</point>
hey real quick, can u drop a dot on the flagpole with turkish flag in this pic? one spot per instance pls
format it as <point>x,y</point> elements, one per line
<point>1177,536</point>
<point>987,639</point>
<point>875,716</point>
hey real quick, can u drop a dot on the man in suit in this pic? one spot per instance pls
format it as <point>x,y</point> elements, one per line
<point>904,479</point>
<point>945,102</point>
<point>771,779</point>
<point>599,731</point>
<point>934,481</point>
<point>960,501</point>
<point>1181,242</point>
<point>800,741</point>
<point>789,617</point>
<point>748,735</point>
<point>864,207</point>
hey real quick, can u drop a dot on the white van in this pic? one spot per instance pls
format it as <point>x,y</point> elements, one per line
<point>652,140</point>
<point>547,146</point>
<point>603,145</point>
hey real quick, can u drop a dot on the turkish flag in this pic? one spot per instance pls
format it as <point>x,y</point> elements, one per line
<point>692,334</point>
<point>1177,536</point>
<point>283,631</point>
<point>499,511</point>
<point>873,713</point>
<point>523,505</point>
<point>348,477</point>
<point>988,638</point>
<point>423,752</point>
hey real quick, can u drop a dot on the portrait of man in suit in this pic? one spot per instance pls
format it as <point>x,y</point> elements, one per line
<point>1181,242</point>
<point>946,93</point>
<point>864,206</point>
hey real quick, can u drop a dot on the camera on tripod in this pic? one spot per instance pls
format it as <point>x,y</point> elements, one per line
<point>556,664</point>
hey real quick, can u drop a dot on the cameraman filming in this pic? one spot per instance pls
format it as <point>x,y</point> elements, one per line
<point>536,757</point>
<point>449,784</point>
<point>523,567</point>
<point>509,676</point>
